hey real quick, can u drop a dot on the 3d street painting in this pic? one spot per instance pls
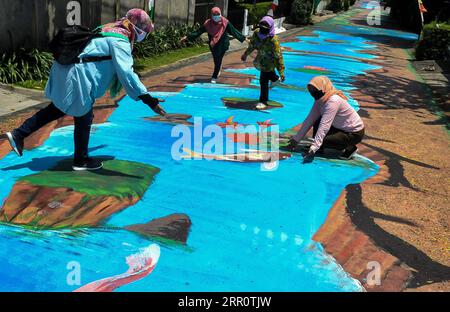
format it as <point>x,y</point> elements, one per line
<point>214,225</point>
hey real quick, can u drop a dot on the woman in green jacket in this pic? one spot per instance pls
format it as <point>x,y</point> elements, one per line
<point>218,29</point>
<point>268,59</point>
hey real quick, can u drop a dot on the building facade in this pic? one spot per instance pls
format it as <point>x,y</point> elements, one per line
<point>33,23</point>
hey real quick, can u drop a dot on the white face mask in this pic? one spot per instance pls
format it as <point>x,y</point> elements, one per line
<point>217,18</point>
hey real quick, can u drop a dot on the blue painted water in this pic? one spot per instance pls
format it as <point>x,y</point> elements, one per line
<point>251,229</point>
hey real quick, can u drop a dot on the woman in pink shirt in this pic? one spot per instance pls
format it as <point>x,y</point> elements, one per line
<point>335,123</point>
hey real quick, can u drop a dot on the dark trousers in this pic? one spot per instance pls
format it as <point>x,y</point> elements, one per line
<point>264,79</point>
<point>51,113</point>
<point>218,59</point>
<point>339,139</point>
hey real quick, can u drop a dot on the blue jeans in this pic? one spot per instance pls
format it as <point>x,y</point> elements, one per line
<point>51,113</point>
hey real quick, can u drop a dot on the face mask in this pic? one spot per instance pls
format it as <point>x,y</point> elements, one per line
<point>217,18</point>
<point>140,34</point>
<point>264,31</point>
<point>317,94</point>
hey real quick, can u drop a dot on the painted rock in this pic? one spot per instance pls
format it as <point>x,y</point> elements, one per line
<point>174,119</point>
<point>175,227</point>
<point>60,197</point>
<point>246,103</point>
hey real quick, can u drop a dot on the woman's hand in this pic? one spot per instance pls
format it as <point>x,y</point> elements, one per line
<point>292,144</point>
<point>153,103</point>
<point>282,78</point>
<point>308,156</point>
<point>158,109</point>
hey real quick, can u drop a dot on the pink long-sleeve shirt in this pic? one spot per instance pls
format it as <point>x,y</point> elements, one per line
<point>335,112</point>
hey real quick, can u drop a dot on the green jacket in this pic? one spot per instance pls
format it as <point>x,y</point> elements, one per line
<point>269,54</point>
<point>224,43</point>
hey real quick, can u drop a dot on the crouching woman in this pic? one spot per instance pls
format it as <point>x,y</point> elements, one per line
<point>335,123</point>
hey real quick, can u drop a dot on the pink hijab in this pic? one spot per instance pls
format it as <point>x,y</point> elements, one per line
<point>216,29</point>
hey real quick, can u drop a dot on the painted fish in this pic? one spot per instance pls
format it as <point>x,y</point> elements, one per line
<point>258,156</point>
<point>229,123</point>
<point>266,123</point>
<point>140,265</point>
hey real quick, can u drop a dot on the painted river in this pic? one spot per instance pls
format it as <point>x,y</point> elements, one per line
<point>251,229</point>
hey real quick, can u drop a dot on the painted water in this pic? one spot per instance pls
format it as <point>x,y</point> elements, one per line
<point>251,229</point>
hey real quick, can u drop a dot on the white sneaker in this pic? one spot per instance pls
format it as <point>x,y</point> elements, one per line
<point>88,164</point>
<point>213,80</point>
<point>260,106</point>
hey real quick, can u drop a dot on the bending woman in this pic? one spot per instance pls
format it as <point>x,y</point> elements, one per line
<point>218,28</point>
<point>106,62</point>
<point>335,123</point>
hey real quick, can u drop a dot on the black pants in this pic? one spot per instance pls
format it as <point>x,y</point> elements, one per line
<point>264,79</point>
<point>51,113</point>
<point>339,139</point>
<point>218,59</point>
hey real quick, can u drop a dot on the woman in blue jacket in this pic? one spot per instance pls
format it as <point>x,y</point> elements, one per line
<point>74,88</point>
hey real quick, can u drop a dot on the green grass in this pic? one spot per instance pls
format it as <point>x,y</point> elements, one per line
<point>117,178</point>
<point>149,63</point>
<point>32,84</point>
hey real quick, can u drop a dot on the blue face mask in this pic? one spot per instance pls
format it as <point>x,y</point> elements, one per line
<point>140,34</point>
<point>217,18</point>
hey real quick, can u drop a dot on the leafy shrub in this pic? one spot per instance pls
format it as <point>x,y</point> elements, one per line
<point>256,13</point>
<point>346,5</point>
<point>165,38</point>
<point>434,43</point>
<point>335,6</point>
<point>24,65</point>
<point>301,12</point>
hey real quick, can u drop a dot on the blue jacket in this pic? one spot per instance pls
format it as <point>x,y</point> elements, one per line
<point>74,88</point>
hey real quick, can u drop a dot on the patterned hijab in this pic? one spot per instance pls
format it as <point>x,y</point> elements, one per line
<point>125,26</point>
<point>324,84</point>
<point>216,29</point>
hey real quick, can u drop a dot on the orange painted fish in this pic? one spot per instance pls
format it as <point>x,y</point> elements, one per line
<point>266,123</point>
<point>229,123</point>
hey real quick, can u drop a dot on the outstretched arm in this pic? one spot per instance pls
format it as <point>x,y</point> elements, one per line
<point>235,33</point>
<point>194,35</point>
<point>123,65</point>
<point>313,115</point>
<point>279,58</point>
<point>329,113</point>
<point>251,47</point>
